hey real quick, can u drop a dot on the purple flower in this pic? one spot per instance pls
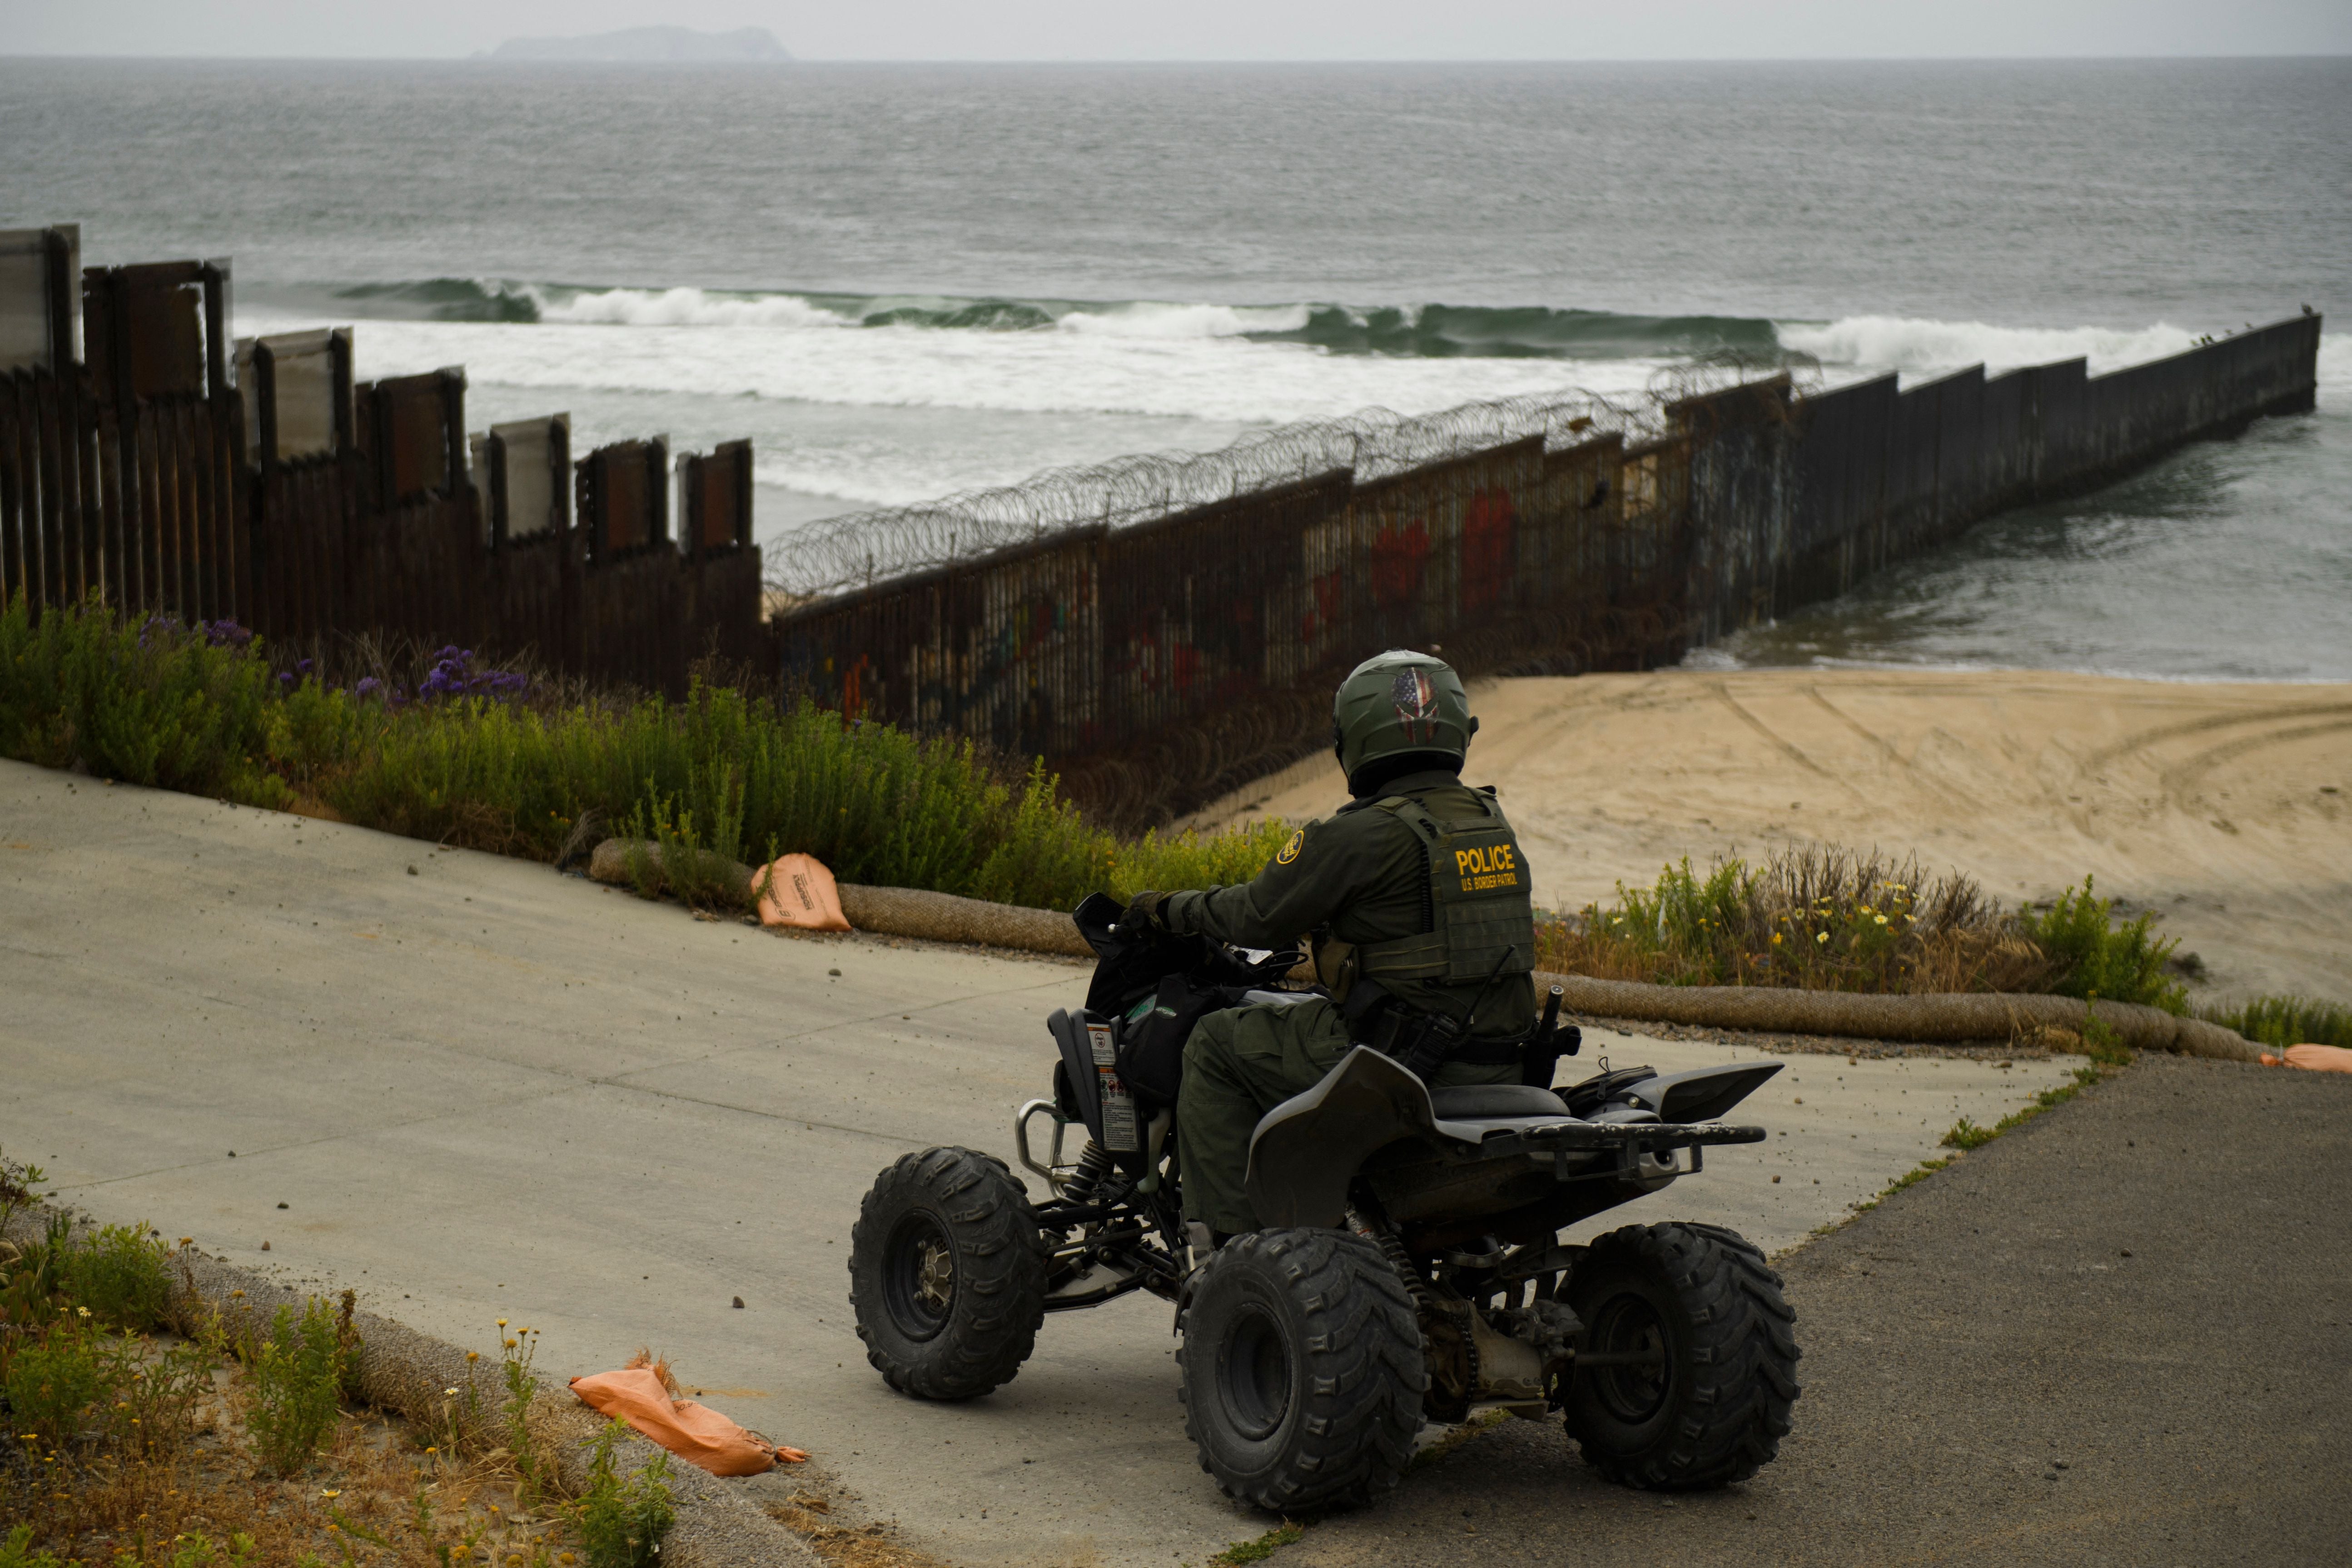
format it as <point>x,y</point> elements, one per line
<point>369,686</point>
<point>454,674</point>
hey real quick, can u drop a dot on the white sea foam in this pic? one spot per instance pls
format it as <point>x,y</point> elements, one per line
<point>2334,366</point>
<point>1147,319</point>
<point>1920,347</point>
<point>688,307</point>
<point>680,308</point>
<point>1220,377</point>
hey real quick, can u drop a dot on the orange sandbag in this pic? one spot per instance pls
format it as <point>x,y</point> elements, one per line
<point>2316,1058</point>
<point>798,892</point>
<point>694,1433</point>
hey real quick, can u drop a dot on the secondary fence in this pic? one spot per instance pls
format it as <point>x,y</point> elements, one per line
<point>1160,628</point>
<point>146,457</point>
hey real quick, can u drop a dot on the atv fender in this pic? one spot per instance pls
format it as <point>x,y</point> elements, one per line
<point>1702,1094</point>
<point>1307,1148</point>
<point>1069,1032</point>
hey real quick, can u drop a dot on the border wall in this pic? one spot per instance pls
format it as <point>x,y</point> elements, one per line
<point>1160,630</point>
<point>1160,665</point>
<point>1799,499</point>
<point>149,459</point>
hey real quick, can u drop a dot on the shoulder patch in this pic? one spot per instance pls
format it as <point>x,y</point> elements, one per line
<point>1290,851</point>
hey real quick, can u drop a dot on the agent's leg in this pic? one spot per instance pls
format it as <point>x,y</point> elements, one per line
<point>1238,1065</point>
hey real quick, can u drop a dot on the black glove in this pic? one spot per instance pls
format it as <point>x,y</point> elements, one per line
<point>1142,917</point>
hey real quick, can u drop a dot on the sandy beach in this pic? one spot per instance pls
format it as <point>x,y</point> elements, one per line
<point>2227,809</point>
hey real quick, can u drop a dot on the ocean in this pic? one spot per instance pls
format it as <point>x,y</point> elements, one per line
<point>906,281</point>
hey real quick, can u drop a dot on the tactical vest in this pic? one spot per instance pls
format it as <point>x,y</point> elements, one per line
<point>1480,898</point>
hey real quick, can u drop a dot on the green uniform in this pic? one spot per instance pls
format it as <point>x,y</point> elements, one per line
<point>1386,891</point>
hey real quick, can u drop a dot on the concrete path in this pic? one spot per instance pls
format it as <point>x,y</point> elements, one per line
<point>2122,1334</point>
<point>479,1089</point>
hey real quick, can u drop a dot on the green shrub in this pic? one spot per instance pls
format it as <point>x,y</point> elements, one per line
<point>155,1393</point>
<point>17,1552</point>
<point>54,1379</point>
<point>197,1550</point>
<point>298,1372</point>
<point>1819,919</point>
<point>120,1274</point>
<point>2101,959</point>
<point>621,1522</point>
<point>2104,1042</point>
<point>20,1187</point>
<point>30,1294</point>
<point>516,1352</point>
<point>176,707</point>
<point>720,775</point>
<point>1967,1134</point>
<point>1193,860</point>
<point>2282,1021</point>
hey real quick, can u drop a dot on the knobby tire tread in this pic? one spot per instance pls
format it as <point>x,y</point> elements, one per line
<point>1743,1361</point>
<point>1362,1376</point>
<point>1000,1260</point>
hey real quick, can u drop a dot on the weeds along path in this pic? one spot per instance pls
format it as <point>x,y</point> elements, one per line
<point>483,1090</point>
<point>2225,809</point>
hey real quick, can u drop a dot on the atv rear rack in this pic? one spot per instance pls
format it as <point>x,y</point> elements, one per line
<point>1594,1137</point>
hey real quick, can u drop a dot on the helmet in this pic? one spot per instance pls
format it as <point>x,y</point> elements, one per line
<point>1398,712</point>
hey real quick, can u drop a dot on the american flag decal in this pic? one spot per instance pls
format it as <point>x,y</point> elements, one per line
<point>1416,703</point>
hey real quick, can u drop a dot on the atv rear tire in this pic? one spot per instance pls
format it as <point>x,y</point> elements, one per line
<point>1302,1369</point>
<point>1712,1402</point>
<point>946,1274</point>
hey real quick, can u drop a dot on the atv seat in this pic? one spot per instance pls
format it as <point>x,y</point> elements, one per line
<point>1485,1101</point>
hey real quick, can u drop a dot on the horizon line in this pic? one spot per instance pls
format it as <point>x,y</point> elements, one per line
<point>487,57</point>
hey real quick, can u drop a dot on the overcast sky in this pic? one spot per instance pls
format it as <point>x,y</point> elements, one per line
<point>1213,29</point>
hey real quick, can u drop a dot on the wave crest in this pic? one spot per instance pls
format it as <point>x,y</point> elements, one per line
<point>1405,331</point>
<point>1916,345</point>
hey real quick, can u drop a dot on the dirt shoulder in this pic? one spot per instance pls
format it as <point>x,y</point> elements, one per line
<point>2226,808</point>
<point>2050,1353</point>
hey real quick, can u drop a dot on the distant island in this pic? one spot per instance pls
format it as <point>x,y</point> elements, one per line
<point>640,44</point>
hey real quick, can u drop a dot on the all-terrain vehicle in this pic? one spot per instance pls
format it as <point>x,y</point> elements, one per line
<point>1409,1269</point>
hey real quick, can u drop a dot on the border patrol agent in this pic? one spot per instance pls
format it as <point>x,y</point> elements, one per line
<point>1417,904</point>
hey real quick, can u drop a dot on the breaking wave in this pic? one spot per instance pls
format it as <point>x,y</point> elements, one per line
<point>1409,332</point>
<point>1872,343</point>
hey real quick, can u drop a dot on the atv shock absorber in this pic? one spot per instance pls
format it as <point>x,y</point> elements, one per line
<point>1393,1251</point>
<point>1093,1164</point>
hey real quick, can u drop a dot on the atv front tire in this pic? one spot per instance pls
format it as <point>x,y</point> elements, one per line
<point>946,1274</point>
<point>1686,1367</point>
<point>1303,1370</point>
